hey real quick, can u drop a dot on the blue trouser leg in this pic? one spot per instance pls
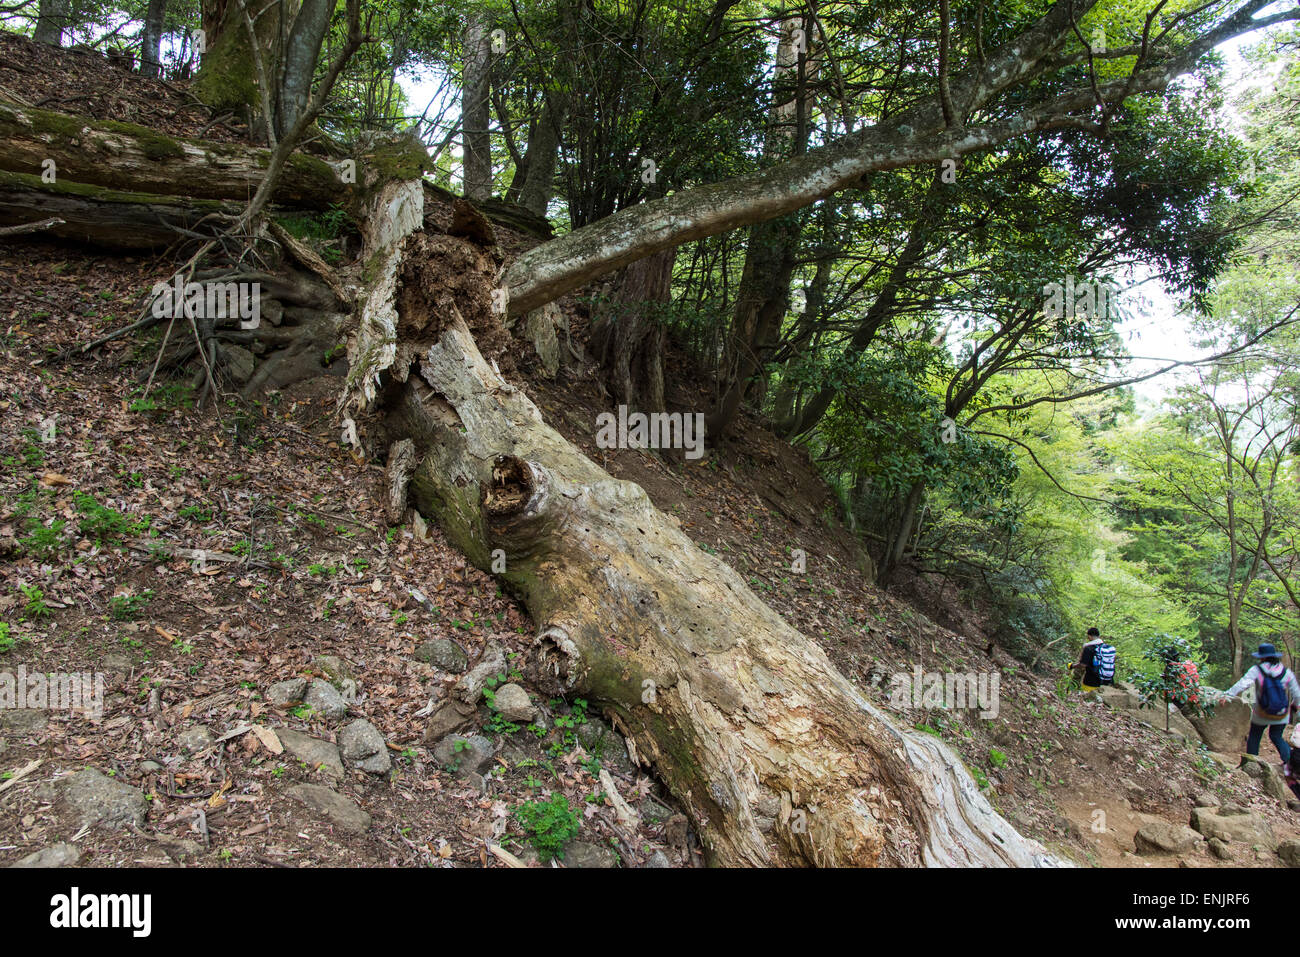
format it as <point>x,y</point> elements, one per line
<point>1253,739</point>
<point>1277,734</point>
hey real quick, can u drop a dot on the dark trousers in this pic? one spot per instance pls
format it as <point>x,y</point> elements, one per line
<point>1275,734</point>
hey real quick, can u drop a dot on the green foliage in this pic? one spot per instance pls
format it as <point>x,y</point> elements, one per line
<point>104,525</point>
<point>127,607</point>
<point>549,824</point>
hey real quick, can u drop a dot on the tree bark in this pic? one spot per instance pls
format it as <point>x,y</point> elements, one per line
<point>123,156</point>
<point>778,759</point>
<point>151,39</point>
<point>627,338</point>
<point>476,144</point>
<point>298,68</point>
<point>52,18</point>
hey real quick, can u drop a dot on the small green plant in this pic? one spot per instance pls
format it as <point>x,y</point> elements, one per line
<point>128,607</point>
<point>997,758</point>
<point>549,824</point>
<point>35,606</point>
<point>7,638</point>
<point>103,525</point>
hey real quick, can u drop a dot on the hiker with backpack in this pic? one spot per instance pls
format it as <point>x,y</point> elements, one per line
<point>1096,664</point>
<point>1277,695</point>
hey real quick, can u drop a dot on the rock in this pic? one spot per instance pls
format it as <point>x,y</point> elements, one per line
<point>658,859</point>
<point>1165,838</point>
<point>1247,828</point>
<point>150,767</point>
<point>1267,776</point>
<point>1226,729</point>
<point>282,694</point>
<point>238,363</point>
<point>363,747</point>
<point>324,698</point>
<point>24,720</point>
<point>196,738</point>
<point>513,704</point>
<point>605,744</point>
<point>579,854</point>
<point>1131,786</point>
<point>335,669</point>
<point>116,663</point>
<point>1220,849</point>
<point>465,755</point>
<point>1118,698</point>
<point>56,855</point>
<point>1178,725</point>
<point>1206,799</point>
<point>445,654</point>
<point>1289,851</point>
<point>334,806</point>
<point>98,799</point>
<point>313,752</point>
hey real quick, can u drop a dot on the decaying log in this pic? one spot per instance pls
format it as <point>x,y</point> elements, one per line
<point>778,758</point>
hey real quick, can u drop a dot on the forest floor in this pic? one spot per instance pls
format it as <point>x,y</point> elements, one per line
<point>200,756</point>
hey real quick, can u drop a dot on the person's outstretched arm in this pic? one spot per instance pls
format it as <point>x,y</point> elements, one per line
<point>1245,683</point>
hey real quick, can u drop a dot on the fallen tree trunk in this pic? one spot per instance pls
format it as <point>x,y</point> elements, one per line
<point>777,757</point>
<point>124,156</point>
<point>112,219</point>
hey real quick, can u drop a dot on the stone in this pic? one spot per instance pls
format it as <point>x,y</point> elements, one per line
<point>1220,849</point>
<point>116,663</point>
<point>56,855</point>
<point>605,744</point>
<point>1206,799</point>
<point>579,854</point>
<point>1227,728</point>
<point>513,703</point>
<point>363,747</point>
<point>196,738</point>
<point>238,363</point>
<point>465,755</point>
<point>1178,725</point>
<point>1267,776</point>
<point>1162,837</point>
<point>282,694</point>
<point>1248,828</point>
<point>658,859</point>
<point>150,767</point>
<point>98,799</point>
<point>325,699</point>
<point>24,720</point>
<point>315,753</point>
<point>335,669</point>
<point>1289,851</point>
<point>445,654</point>
<point>334,806</point>
<point>1119,699</point>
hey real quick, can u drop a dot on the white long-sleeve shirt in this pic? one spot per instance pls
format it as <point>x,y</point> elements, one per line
<point>1252,677</point>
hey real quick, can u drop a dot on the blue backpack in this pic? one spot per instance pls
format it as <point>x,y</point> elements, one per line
<point>1271,696</point>
<point>1103,659</point>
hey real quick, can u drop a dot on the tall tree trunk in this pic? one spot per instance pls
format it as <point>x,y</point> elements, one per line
<point>628,337</point>
<point>52,18</point>
<point>543,150</point>
<point>298,68</point>
<point>476,143</point>
<point>151,39</point>
<point>762,299</point>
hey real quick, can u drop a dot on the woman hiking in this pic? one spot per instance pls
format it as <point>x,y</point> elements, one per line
<point>1277,693</point>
